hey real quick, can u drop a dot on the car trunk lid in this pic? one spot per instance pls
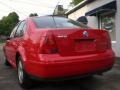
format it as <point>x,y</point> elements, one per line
<point>80,41</point>
<point>77,41</point>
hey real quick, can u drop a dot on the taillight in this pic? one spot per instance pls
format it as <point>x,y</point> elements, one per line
<point>48,45</point>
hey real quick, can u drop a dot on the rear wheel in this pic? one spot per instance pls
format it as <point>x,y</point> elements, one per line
<point>23,77</point>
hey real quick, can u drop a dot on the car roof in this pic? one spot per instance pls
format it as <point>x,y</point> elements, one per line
<point>47,16</point>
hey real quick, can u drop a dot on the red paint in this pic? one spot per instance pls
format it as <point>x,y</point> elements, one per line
<point>51,53</point>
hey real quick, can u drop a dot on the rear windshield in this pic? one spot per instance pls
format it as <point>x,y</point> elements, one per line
<point>56,22</point>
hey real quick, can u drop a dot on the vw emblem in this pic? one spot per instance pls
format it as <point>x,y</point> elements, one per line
<point>85,34</point>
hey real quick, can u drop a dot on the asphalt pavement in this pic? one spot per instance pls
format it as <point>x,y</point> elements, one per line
<point>109,81</point>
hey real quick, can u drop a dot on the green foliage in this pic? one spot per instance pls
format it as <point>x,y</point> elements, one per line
<point>75,2</point>
<point>7,23</point>
<point>33,14</point>
<point>2,41</point>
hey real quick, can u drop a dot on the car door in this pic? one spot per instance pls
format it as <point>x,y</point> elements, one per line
<point>13,43</point>
<point>8,44</point>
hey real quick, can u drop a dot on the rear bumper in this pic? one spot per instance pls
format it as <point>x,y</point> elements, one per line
<point>56,66</point>
<point>69,77</point>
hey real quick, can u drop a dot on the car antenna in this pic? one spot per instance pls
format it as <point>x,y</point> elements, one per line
<point>54,13</point>
<point>55,8</point>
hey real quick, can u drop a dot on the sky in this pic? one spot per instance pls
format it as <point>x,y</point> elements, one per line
<point>24,7</point>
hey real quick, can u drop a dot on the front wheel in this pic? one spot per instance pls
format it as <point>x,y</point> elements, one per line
<point>23,78</point>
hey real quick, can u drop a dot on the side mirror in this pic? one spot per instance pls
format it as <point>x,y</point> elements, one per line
<point>83,19</point>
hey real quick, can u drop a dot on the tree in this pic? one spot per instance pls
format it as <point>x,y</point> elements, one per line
<point>75,2</point>
<point>8,22</point>
<point>14,17</point>
<point>33,14</point>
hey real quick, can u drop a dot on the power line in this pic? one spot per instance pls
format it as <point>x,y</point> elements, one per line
<point>17,10</point>
<point>29,3</point>
<point>10,7</point>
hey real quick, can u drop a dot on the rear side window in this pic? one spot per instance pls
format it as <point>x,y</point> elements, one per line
<point>14,31</point>
<point>56,22</point>
<point>20,30</point>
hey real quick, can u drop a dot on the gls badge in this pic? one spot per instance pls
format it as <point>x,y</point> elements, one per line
<point>85,34</point>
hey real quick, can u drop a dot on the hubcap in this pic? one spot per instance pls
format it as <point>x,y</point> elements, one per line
<point>20,72</point>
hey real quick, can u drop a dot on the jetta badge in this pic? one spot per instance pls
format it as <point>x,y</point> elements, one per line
<point>85,34</point>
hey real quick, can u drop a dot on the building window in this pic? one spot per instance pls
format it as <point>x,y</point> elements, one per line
<point>108,23</point>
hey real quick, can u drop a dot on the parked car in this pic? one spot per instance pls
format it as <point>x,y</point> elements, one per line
<point>52,47</point>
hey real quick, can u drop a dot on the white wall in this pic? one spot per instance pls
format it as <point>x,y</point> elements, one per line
<point>93,22</point>
<point>117,49</point>
<point>97,3</point>
<point>78,13</point>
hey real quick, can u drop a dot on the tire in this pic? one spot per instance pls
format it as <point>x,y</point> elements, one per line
<point>7,63</point>
<point>23,78</point>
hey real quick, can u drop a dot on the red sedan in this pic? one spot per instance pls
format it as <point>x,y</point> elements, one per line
<point>52,47</point>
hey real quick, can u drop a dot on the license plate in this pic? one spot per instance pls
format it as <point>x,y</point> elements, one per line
<point>84,45</point>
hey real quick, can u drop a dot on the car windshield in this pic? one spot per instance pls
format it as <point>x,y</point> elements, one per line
<point>56,22</point>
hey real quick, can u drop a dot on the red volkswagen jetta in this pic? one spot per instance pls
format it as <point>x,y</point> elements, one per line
<point>52,47</point>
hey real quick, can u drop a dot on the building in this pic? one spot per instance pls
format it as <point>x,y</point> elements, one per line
<point>102,14</point>
<point>59,10</point>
